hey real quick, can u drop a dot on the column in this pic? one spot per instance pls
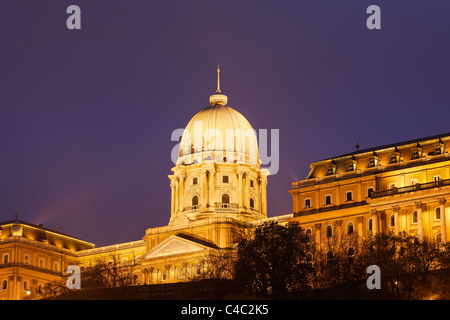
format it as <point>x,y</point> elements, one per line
<point>204,189</point>
<point>172,198</point>
<point>318,233</point>
<point>419,220</point>
<point>246,192</point>
<point>443,222</point>
<point>176,197</point>
<point>239,189</point>
<point>360,227</point>
<point>396,210</point>
<point>374,214</point>
<point>212,188</point>
<point>181,188</point>
<point>264,195</point>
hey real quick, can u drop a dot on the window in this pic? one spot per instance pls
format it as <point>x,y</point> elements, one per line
<point>327,200</point>
<point>194,180</point>
<point>369,224</point>
<point>56,266</point>
<point>437,213</point>
<point>350,227</point>
<point>437,150</point>
<point>436,178</point>
<point>26,259</point>
<point>180,273</point>
<point>331,169</point>
<point>369,191</point>
<point>5,285</point>
<point>195,201</point>
<point>251,184</point>
<point>392,221</point>
<point>329,231</point>
<point>393,158</point>
<point>164,275</point>
<point>26,286</point>
<point>308,258</point>
<point>438,238</point>
<point>225,179</point>
<point>307,203</point>
<point>371,162</point>
<point>329,258</point>
<point>350,167</point>
<point>415,155</point>
<point>308,234</point>
<point>252,203</point>
<point>5,258</point>
<point>225,198</point>
<point>414,217</point>
<point>349,196</point>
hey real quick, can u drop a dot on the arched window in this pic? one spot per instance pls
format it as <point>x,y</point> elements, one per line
<point>164,275</point>
<point>180,273</point>
<point>437,213</point>
<point>309,258</point>
<point>392,221</point>
<point>329,231</point>
<point>252,203</point>
<point>350,227</point>
<point>327,200</point>
<point>26,286</point>
<point>369,224</point>
<point>195,201</point>
<point>414,217</point>
<point>308,234</point>
<point>5,285</point>
<point>438,238</point>
<point>5,258</point>
<point>225,198</point>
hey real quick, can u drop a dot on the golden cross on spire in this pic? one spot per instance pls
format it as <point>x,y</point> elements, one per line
<point>218,78</point>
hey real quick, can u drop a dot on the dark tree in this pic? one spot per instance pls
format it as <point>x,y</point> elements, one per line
<point>273,262</point>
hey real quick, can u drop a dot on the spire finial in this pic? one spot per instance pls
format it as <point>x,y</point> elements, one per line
<point>218,78</point>
<point>218,98</point>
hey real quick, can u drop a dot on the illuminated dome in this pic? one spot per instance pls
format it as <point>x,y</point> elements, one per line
<point>218,133</point>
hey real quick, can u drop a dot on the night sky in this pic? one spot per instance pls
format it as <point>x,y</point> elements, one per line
<point>87,115</point>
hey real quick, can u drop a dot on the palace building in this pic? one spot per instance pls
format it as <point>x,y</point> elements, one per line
<point>218,190</point>
<point>392,188</point>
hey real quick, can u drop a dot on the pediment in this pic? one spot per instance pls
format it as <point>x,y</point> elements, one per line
<point>174,245</point>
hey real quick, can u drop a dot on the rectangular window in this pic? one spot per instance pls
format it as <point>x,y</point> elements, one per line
<point>437,150</point>
<point>415,155</point>
<point>327,200</point>
<point>372,163</point>
<point>393,158</point>
<point>307,203</point>
<point>349,196</point>
<point>350,167</point>
<point>369,191</point>
<point>194,180</point>
<point>225,179</point>
<point>330,170</point>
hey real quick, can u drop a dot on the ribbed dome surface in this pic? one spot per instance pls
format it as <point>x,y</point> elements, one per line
<point>218,133</point>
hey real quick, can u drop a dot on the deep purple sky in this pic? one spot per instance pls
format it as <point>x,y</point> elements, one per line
<point>86,116</point>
